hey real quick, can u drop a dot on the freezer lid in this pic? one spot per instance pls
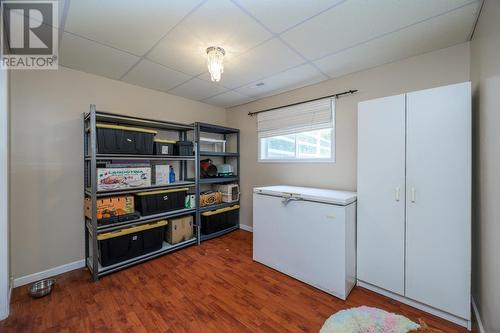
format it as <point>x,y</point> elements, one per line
<point>309,193</point>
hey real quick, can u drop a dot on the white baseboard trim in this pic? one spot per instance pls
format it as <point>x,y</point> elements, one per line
<point>23,280</point>
<point>246,227</point>
<point>4,314</point>
<point>442,314</point>
<point>477,315</point>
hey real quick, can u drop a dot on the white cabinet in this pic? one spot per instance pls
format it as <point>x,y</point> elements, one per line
<point>414,198</point>
<point>381,181</point>
<point>438,216</point>
<point>308,234</point>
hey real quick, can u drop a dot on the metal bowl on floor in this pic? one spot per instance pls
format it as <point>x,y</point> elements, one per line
<point>41,288</point>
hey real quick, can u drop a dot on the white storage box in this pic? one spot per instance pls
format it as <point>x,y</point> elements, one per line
<point>230,192</point>
<point>122,178</point>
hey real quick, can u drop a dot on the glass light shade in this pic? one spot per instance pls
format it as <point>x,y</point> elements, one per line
<point>215,62</point>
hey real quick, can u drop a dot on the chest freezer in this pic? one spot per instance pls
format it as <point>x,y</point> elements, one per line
<point>308,234</point>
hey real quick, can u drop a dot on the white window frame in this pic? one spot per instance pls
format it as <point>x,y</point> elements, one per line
<point>330,160</point>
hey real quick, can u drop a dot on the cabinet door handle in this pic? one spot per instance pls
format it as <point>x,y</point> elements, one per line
<point>397,191</point>
<point>413,194</point>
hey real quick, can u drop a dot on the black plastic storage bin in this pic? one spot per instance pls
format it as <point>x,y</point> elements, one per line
<point>118,219</point>
<point>154,202</point>
<point>220,219</point>
<point>128,243</point>
<point>164,147</point>
<point>115,139</point>
<point>184,148</point>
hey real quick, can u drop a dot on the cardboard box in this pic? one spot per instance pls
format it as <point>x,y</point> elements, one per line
<point>123,178</point>
<point>179,229</point>
<point>110,207</point>
<point>210,198</point>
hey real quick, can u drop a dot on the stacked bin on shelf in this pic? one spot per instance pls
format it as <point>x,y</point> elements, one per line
<point>154,202</point>
<point>117,139</point>
<point>220,219</point>
<point>127,243</point>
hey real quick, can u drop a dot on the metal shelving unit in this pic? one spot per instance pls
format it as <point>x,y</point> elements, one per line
<point>225,132</point>
<point>91,160</point>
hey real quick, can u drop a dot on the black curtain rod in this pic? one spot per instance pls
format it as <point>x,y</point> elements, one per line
<point>349,92</point>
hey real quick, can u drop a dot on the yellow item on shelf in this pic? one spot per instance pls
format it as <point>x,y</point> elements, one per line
<point>221,210</point>
<point>163,191</point>
<point>131,230</point>
<point>126,128</point>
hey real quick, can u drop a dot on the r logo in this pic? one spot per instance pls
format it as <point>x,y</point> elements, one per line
<point>29,34</point>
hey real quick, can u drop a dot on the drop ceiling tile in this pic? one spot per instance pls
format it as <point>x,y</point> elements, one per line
<point>197,89</point>
<point>296,11</point>
<point>133,26</point>
<point>294,78</point>
<point>357,21</point>
<point>228,99</point>
<point>82,54</point>
<point>440,32</point>
<point>268,58</point>
<point>215,23</point>
<point>150,75</point>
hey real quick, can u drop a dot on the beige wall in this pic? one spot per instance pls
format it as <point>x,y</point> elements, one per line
<point>450,65</point>
<point>47,155</point>
<point>485,73</point>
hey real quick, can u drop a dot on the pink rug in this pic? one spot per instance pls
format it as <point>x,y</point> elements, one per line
<point>367,320</point>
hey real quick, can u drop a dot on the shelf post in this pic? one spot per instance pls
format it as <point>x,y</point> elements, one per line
<point>85,180</point>
<point>238,160</point>
<point>197,180</point>
<point>93,189</point>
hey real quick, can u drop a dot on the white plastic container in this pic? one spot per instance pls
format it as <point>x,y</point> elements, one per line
<point>230,192</point>
<point>215,145</point>
<point>162,174</point>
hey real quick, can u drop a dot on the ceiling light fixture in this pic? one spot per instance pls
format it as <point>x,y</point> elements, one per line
<point>215,61</point>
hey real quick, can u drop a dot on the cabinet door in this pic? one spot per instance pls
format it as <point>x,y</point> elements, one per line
<point>439,198</point>
<point>303,239</point>
<point>381,193</point>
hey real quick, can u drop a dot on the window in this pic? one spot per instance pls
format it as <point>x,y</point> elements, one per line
<point>298,133</point>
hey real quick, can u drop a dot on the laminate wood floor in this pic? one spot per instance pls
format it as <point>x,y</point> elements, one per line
<point>214,287</point>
